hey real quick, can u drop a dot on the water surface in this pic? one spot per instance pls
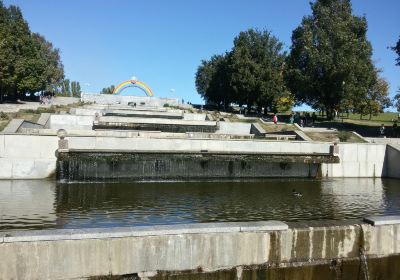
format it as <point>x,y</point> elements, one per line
<point>46,204</point>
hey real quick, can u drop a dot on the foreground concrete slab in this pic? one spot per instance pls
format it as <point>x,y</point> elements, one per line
<point>195,248</point>
<point>382,220</point>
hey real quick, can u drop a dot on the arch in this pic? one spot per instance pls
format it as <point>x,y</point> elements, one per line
<point>131,83</point>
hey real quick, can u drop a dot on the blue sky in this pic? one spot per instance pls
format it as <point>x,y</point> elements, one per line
<point>161,42</point>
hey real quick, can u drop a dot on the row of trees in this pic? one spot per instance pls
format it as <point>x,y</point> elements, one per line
<point>28,62</point>
<point>68,88</point>
<point>329,67</point>
<point>108,90</point>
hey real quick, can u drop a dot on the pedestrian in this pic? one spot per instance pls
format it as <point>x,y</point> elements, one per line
<point>291,118</point>
<point>314,117</point>
<point>395,130</point>
<point>301,122</point>
<point>275,119</point>
<point>382,130</point>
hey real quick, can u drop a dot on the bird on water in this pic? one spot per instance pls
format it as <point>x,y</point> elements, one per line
<point>296,194</point>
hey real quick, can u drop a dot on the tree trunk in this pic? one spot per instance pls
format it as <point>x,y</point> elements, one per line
<point>248,108</point>
<point>329,113</point>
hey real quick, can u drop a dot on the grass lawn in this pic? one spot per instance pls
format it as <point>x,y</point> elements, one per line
<point>382,118</point>
<point>3,124</point>
<point>334,136</point>
<point>275,128</point>
<point>364,126</point>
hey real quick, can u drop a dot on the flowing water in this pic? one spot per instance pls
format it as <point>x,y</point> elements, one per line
<point>43,204</point>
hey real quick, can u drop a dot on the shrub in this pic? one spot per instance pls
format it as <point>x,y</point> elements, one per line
<point>4,116</point>
<point>344,136</point>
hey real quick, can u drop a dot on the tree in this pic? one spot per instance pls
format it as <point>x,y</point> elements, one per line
<point>212,80</point>
<point>251,73</point>
<point>66,88</point>
<point>376,100</point>
<point>54,70</point>
<point>75,89</point>
<point>397,50</point>
<point>28,63</point>
<point>283,103</point>
<point>396,101</point>
<point>257,68</point>
<point>330,64</point>
<point>108,90</point>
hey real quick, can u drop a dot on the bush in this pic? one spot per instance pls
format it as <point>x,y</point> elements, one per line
<point>4,116</point>
<point>52,110</point>
<point>166,105</point>
<point>344,136</point>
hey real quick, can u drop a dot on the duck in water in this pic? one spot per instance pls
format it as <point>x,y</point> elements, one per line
<point>296,194</point>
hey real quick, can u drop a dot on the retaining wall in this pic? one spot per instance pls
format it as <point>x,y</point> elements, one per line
<point>161,251</point>
<point>157,165</point>
<point>111,99</point>
<point>33,156</point>
<point>71,122</point>
<point>393,160</point>
<point>153,124</point>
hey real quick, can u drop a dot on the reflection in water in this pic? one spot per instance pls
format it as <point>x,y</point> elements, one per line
<point>43,204</point>
<point>27,204</point>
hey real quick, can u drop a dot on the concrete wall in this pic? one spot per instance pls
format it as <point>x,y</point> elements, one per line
<point>124,100</point>
<point>154,124</point>
<point>358,160</point>
<point>194,117</point>
<point>33,156</point>
<point>71,122</point>
<point>393,161</point>
<point>234,128</point>
<point>27,156</point>
<point>149,251</point>
<point>76,166</point>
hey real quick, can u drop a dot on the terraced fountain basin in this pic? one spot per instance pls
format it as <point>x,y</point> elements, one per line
<point>111,165</point>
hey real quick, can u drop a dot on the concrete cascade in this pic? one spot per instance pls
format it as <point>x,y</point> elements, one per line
<point>106,165</point>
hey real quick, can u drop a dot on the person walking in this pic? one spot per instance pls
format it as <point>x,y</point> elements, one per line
<point>395,130</point>
<point>382,131</point>
<point>275,119</point>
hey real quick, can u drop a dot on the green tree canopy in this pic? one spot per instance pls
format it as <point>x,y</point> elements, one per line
<point>330,64</point>
<point>251,73</point>
<point>28,63</point>
<point>377,98</point>
<point>213,78</point>
<point>75,89</point>
<point>108,90</point>
<point>397,50</point>
<point>257,68</point>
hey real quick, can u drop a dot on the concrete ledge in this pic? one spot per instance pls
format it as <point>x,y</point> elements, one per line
<point>382,220</point>
<point>301,135</point>
<point>119,232</point>
<point>44,119</point>
<point>13,126</point>
<point>257,129</point>
<point>151,251</point>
